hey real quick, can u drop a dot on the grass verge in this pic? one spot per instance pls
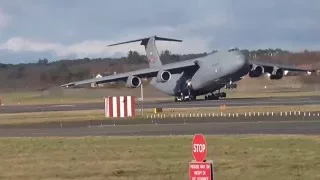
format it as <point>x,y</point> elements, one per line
<point>53,116</point>
<point>92,96</point>
<point>118,158</point>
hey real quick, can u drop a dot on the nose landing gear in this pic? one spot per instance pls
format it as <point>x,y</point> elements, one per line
<point>231,85</point>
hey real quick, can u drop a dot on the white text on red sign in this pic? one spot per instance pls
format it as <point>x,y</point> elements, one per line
<point>199,148</point>
<point>201,166</point>
<point>200,178</point>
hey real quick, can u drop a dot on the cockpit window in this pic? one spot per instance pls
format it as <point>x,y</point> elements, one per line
<point>233,49</point>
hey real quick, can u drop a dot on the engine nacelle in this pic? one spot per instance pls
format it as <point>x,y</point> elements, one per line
<point>163,76</point>
<point>256,71</point>
<point>278,74</point>
<point>133,82</point>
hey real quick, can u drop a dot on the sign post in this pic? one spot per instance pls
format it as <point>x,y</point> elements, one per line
<point>200,168</point>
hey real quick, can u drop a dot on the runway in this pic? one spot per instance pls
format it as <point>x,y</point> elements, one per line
<point>299,124</point>
<point>309,100</point>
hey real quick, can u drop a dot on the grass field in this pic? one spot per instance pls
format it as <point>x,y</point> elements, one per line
<point>85,115</point>
<point>119,158</point>
<point>47,117</point>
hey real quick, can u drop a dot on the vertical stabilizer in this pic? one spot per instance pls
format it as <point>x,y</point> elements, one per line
<point>150,48</point>
<point>152,52</point>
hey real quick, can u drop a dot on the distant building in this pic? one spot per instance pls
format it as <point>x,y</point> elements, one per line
<point>93,85</point>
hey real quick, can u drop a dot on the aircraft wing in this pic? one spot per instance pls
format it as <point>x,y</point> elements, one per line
<point>281,66</point>
<point>142,73</point>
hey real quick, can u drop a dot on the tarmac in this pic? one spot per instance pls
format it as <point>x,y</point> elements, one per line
<point>309,100</point>
<point>284,123</point>
<point>302,123</point>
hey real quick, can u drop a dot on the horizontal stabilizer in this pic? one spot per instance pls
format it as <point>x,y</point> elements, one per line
<point>127,42</point>
<point>144,41</point>
<point>166,39</point>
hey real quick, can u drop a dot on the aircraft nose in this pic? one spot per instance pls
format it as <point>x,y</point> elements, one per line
<point>241,60</point>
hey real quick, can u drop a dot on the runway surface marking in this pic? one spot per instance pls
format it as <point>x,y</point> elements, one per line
<point>64,105</point>
<point>209,123</point>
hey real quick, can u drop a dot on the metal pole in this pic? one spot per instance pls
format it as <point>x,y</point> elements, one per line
<point>142,98</point>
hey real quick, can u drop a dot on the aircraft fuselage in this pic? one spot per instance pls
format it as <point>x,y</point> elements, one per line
<point>213,73</point>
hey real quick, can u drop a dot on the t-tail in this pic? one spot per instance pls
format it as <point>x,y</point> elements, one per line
<point>151,49</point>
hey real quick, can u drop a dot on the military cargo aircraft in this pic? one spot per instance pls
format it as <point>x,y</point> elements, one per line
<point>185,80</point>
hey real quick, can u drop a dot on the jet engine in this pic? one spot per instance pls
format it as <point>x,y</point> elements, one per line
<point>256,71</point>
<point>163,76</point>
<point>278,74</point>
<point>133,82</point>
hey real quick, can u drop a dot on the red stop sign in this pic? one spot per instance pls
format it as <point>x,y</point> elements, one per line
<point>199,148</point>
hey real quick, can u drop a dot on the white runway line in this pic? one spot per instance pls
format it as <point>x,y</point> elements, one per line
<point>63,105</point>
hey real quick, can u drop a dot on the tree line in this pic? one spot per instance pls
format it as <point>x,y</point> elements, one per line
<point>45,74</point>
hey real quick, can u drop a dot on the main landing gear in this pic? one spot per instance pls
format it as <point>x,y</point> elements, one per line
<point>183,97</point>
<point>189,96</point>
<point>215,96</point>
<point>212,96</point>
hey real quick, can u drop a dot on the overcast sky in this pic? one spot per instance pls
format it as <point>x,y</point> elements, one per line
<point>56,29</point>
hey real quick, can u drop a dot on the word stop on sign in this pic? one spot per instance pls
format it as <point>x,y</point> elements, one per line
<point>199,148</point>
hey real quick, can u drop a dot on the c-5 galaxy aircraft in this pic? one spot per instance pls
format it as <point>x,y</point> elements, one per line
<point>188,79</point>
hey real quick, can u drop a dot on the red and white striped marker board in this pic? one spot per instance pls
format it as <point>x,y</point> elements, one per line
<point>119,106</point>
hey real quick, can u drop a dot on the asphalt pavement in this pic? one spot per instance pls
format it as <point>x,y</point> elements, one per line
<point>305,123</point>
<point>310,100</point>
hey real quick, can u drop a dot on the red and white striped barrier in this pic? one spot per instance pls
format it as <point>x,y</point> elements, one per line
<point>119,106</point>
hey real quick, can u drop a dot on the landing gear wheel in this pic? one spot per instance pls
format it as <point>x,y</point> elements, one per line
<point>212,97</point>
<point>215,96</point>
<point>178,99</point>
<point>192,98</point>
<point>231,86</point>
<point>223,94</point>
